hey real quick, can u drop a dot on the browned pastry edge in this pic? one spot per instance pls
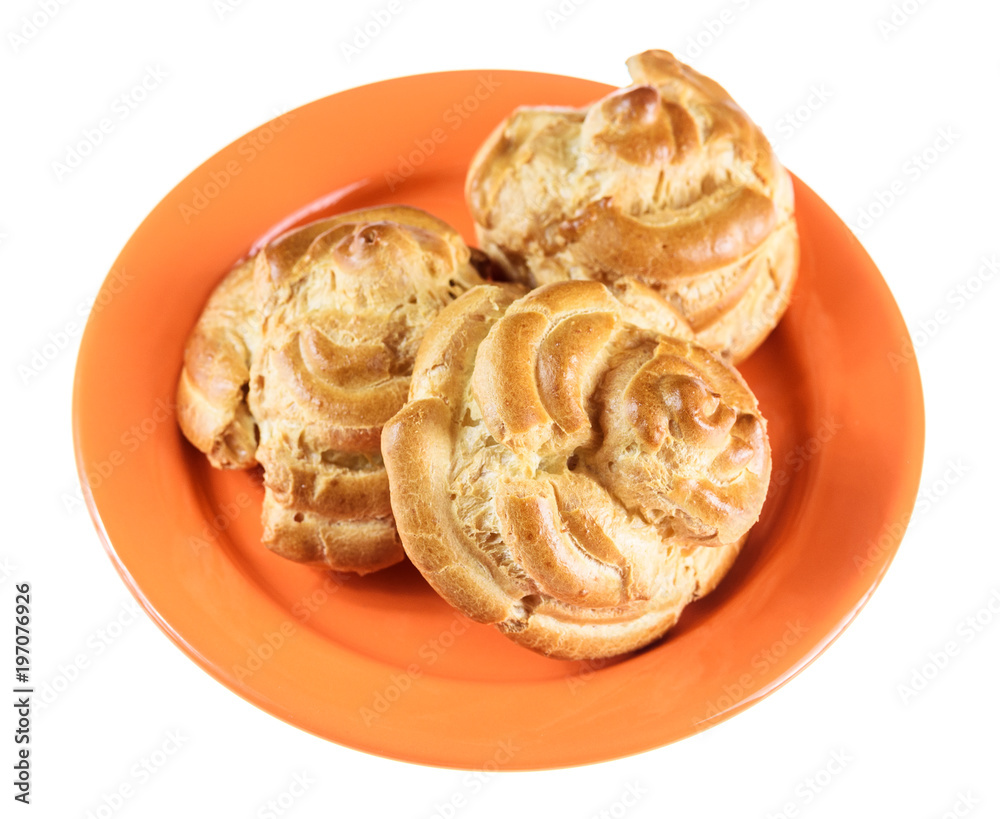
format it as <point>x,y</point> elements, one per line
<point>211,392</point>
<point>300,355</point>
<point>666,181</point>
<point>418,445</point>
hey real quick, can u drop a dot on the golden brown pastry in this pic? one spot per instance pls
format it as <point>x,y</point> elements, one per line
<point>567,472</point>
<point>211,394</point>
<point>301,356</point>
<point>666,181</point>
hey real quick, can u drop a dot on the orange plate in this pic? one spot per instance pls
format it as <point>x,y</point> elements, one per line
<point>381,664</point>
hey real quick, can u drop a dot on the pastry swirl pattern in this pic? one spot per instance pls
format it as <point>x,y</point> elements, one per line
<point>567,472</point>
<point>667,182</point>
<point>311,346</point>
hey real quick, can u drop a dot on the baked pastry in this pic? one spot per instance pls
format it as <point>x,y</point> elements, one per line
<point>565,471</point>
<point>299,358</point>
<point>212,391</point>
<point>666,181</point>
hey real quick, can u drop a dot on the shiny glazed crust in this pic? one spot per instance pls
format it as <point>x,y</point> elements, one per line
<point>568,473</point>
<point>667,182</point>
<point>299,358</point>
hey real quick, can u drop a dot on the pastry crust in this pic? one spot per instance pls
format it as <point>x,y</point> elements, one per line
<point>565,471</point>
<point>212,389</point>
<point>667,182</point>
<point>300,357</point>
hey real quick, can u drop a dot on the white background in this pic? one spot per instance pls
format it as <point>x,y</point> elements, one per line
<point>880,96</point>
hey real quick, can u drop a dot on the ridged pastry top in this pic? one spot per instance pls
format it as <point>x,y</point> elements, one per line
<point>301,356</point>
<point>347,301</point>
<point>567,472</point>
<point>667,181</point>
